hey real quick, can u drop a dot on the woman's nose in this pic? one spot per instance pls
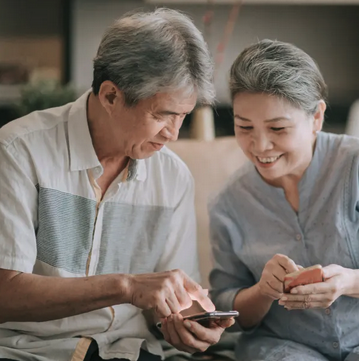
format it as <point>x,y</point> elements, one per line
<point>261,143</point>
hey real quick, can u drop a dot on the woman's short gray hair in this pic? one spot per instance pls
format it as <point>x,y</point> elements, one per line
<point>145,53</point>
<point>279,69</point>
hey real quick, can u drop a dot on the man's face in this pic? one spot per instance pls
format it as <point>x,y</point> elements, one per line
<point>145,127</point>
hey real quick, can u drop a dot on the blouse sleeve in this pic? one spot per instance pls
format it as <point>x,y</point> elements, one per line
<point>229,274</point>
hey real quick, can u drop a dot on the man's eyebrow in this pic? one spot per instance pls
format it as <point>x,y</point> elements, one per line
<point>169,112</point>
<point>278,119</point>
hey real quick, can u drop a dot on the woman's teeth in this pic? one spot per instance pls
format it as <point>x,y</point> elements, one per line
<point>268,160</point>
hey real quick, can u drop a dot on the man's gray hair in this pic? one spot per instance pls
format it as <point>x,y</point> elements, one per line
<point>279,69</point>
<point>145,53</point>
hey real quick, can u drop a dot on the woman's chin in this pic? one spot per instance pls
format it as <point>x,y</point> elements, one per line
<point>270,174</point>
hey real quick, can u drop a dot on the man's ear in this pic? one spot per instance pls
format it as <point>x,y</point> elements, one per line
<point>109,95</point>
<point>318,118</point>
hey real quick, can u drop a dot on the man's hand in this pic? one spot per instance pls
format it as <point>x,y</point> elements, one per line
<point>338,281</point>
<point>271,282</point>
<point>166,292</point>
<point>190,336</point>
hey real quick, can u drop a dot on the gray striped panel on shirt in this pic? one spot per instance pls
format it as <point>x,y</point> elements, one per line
<point>64,235</point>
<point>133,237</point>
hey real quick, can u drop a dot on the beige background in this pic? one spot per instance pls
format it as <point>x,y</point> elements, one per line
<point>328,33</point>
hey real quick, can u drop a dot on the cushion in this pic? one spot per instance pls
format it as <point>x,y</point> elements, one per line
<point>211,164</point>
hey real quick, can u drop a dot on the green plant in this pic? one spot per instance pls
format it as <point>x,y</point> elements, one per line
<point>44,94</point>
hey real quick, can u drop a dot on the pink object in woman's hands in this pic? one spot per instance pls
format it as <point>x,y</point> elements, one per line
<point>304,276</point>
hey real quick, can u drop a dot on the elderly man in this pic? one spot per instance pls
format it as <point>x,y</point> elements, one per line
<point>96,216</point>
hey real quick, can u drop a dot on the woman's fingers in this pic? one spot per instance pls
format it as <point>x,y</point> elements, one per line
<point>305,301</point>
<point>286,263</point>
<point>276,288</point>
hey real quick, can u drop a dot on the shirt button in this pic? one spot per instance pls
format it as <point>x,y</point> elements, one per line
<point>335,344</point>
<point>327,311</point>
<point>298,237</point>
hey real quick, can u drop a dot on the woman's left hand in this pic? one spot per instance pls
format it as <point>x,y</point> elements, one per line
<point>337,281</point>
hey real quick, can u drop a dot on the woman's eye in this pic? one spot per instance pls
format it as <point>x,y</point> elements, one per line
<point>244,128</point>
<point>277,129</point>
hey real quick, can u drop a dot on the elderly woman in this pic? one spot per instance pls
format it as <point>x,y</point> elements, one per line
<point>294,204</point>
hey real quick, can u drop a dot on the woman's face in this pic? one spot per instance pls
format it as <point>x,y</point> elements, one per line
<point>276,136</point>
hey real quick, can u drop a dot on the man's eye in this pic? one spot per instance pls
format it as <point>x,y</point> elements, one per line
<point>277,129</point>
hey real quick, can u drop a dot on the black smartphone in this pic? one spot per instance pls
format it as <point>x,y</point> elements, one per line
<point>205,318</point>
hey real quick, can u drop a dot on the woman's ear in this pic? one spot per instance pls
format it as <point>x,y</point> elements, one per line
<point>109,95</point>
<point>318,118</point>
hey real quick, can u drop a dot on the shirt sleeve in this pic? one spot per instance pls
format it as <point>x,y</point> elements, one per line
<point>229,274</point>
<point>181,247</point>
<point>18,213</point>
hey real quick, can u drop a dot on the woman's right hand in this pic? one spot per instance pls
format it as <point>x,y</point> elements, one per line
<point>271,283</point>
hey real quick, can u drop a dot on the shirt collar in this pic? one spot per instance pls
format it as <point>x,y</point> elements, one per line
<point>137,169</point>
<point>81,151</point>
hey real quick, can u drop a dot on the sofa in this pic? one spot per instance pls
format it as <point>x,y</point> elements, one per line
<point>211,164</point>
<point>352,126</point>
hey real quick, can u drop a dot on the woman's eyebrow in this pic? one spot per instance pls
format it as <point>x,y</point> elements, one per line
<point>277,119</point>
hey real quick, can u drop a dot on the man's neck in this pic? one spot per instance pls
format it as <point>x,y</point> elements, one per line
<point>103,140</point>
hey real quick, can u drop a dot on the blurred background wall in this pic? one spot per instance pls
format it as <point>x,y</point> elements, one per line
<point>30,33</point>
<point>33,45</point>
<point>60,38</point>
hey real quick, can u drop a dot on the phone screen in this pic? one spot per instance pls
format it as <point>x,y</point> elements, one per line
<point>205,318</point>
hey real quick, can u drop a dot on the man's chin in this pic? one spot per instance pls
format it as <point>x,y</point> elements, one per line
<point>144,155</point>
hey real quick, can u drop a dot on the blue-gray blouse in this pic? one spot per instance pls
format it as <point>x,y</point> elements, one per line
<point>251,221</point>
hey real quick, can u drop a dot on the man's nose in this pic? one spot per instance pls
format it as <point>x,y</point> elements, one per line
<point>170,133</point>
<point>171,130</point>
